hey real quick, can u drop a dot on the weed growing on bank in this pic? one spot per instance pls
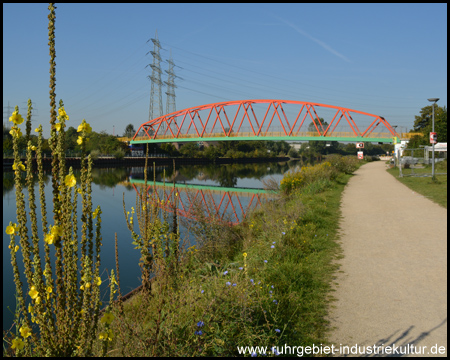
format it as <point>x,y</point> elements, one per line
<point>58,306</point>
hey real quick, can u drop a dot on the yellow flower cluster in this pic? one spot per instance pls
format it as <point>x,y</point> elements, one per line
<point>84,126</point>
<point>70,180</point>
<point>18,166</point>
<point>16,118</point>
<point>55,232</point>
<point>11,229</point>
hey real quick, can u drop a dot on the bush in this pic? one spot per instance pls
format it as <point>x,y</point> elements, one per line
<point>95,154</point>
<point>118,154</point>
<point>307,175</point>
<point>345,164</point>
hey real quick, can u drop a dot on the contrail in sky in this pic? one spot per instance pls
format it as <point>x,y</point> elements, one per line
<point>321,43</point>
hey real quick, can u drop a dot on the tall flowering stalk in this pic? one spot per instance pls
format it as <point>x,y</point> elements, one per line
<point>64,307</point>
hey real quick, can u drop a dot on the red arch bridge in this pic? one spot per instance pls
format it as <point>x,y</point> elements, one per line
<point>227,205</point>
<point>266,120</point>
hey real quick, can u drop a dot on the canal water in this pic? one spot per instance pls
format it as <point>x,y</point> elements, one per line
<point>228,192</point>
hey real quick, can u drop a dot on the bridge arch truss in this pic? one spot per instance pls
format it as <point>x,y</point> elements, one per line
<point>266,120</point>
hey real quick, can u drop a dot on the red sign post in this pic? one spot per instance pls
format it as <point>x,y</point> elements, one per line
<point>433,138</point>
<point>360,155</point>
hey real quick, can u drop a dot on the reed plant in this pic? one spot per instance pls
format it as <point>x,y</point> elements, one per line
<point>58,294</point>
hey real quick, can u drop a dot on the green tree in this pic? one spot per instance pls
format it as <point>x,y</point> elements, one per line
<point>423,122</point>
<point>129,131</point>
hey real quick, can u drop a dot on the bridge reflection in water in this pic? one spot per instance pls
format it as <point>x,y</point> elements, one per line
<point>228,205</point>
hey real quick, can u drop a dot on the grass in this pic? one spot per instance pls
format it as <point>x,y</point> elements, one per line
<point>433,190</point>
<point>265,282</point>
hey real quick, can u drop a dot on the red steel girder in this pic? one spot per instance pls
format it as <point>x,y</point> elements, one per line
<point>253,122</point>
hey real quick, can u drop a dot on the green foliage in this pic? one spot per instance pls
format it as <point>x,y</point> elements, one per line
<point>423,122</point>
<point>129,131</point>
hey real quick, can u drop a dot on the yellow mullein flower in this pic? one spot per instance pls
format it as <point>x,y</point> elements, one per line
<point>16,118</point>
<point>49,290</point>
<point>36,130</point>
<point>49,238</point>
<point>79,140</point>
<point>95,213</point>
<point>16,248</point>
<point>107,318</point>
<point>99,281</point>
<point>15,132</point>
<point>62,114</point>
<point>84,126</point>
<point>30,308</point>
<point>33,292</point>
<point>106,335</point>
<point>58,127</point>
<point>25,331</point>
<point>82,287</point>
<point>79,191</point>
<point>70,180</point>
<point>17,343</point>
<point>244,255</point>
<point>57,230</point>
<point>11,229</point>
<point>38,301</point>
<point>18,166</point>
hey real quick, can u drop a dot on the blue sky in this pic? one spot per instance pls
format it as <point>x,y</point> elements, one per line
<point>384,59</point>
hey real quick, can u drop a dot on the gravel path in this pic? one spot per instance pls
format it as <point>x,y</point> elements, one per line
<point>392,284</point>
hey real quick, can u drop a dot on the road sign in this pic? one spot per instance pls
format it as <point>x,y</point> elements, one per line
<point>360,145</point>
<point>433,138</point>
<point>360,155</point>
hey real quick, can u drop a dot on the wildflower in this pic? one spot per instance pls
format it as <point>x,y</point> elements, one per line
<point>202,291</point>
<point>271,286</point>
<point>200,323</point>
<point>15,132</point>
<point>274,242</point>
<point>275,351</point>
<point>36,130</point>
<point>79,140</point>
<point>254,354</point>
<point>244,255</point>
<point>241,268</point>
<point>58,127</point>
<point>62,114</point>
<point>272,246</point>
<point>79,191</point>
<point>227,283</point>
<point>265,261</point>
<point>107,318</point>
<point>283,233</point>
<point>106,335</point>
<point>277,330</point>
<point>18,166</point>
<point>251,280</point>
<point>16,248</point>
<point>16,118</point>
<point>25,331</point>
<point>56,230</point>
<point>276,302</point>
<point>32,148</point>
<point>49,238</point>
<point>99,281</point>
<point>95,213</point>
<point>84,126</point>
<point>33,292</point>
<point>199,332</point>
<point>226,272</point>
<point>234,284</point>
<point>11,229</point>
<point>70,180</point>
<point>17,343</point>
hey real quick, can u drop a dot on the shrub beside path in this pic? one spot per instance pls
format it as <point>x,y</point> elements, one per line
<point>392,282</point>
